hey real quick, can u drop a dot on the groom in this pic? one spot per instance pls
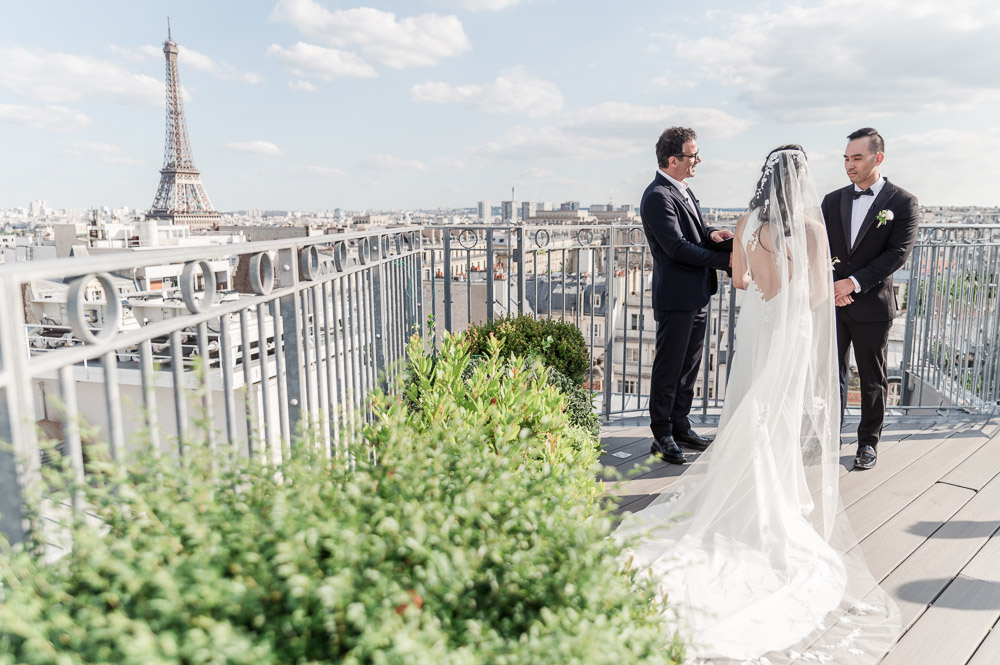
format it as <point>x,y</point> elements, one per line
<point>871,225</point>
<point>683,282</point>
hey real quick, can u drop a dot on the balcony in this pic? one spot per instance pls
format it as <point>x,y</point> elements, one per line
<point>312,325</point>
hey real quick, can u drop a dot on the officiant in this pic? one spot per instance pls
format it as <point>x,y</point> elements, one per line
<point>686,254</point>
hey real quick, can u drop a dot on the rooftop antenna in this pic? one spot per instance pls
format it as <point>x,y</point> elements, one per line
<point>168,28</point>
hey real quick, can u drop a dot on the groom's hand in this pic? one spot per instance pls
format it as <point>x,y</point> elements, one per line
<point>841,301</point>
<point>843,287</point>
<point>720,235</point>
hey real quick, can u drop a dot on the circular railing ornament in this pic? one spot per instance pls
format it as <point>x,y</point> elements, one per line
<point>195,304</point>
<point>76,300</point>
<point>636,236</point>
<point>340,256</point>
<point>364,251</point>
<point>384,241</point>
<point>585,237</point>
<point>261,273</point>
<point>309,262</point>
<point>542,238</point>
<point>468,239</point>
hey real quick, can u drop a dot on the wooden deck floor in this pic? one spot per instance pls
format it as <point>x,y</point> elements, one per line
<point>928,516</point>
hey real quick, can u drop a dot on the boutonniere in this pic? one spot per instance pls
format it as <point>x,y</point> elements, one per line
<point>883,217</point>
<point>833,262</point>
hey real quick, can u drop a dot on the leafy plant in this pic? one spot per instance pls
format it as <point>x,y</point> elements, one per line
<point>468,531</point>
<point>558,344</point>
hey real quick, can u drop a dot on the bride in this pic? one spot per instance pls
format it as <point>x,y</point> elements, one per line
<point>753,550</point>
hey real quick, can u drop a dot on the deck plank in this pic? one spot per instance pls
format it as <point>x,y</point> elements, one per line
<point>908,529</point>
<point>979,469</point>
<point>875,508</point>
<point>989,651</point>
<point>922,576</point>
<point>952,629</point>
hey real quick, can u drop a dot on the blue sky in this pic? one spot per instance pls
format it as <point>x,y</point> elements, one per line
<point>322,104</point>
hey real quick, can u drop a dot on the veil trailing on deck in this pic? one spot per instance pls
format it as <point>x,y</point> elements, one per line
<point>751,548</point>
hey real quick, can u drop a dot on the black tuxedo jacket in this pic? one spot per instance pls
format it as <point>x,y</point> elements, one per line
<point>878,251</point>
<point>683,265</point>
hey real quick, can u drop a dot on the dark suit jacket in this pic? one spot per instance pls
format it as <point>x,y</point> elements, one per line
<point>683,267</point>
<point>878,251</point>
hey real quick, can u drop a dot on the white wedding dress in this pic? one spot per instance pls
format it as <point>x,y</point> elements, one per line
<point>751,550</point>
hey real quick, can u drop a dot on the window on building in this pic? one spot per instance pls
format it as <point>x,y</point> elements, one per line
<point>635,321</point>
<point>595,329</point>
<point>629,386</point>
<point>632,355</point>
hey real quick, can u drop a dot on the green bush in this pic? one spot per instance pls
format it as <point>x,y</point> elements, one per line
<point>469,531</point>
<point>559,344</point>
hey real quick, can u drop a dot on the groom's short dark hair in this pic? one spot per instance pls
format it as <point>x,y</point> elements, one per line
<point>875,141</point>
<point>671,144</point>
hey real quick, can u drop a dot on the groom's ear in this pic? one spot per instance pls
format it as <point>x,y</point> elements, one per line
<point>879,156</point>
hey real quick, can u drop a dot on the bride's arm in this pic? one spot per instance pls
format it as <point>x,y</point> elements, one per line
<point>741,272</point>
<point>820,276</point>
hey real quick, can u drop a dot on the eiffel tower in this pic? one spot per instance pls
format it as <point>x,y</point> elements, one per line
<point>180,198</point>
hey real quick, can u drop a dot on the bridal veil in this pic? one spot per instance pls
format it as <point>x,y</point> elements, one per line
<point>752,549</point>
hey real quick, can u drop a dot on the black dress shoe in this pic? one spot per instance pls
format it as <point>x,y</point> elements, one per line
<point>690,439</point>
<point>866,457</point>
<point>666,449</point>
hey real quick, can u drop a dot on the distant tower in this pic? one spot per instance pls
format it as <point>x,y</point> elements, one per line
<point>180,198</point>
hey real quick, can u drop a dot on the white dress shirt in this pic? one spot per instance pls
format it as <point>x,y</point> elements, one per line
<point>859,209</point>
<point>683,187</point>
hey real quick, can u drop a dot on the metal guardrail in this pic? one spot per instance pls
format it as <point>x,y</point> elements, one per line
<point>598,278</point>
<point>318,324</point>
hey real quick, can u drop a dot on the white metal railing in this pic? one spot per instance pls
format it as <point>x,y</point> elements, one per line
<point>314,325</point>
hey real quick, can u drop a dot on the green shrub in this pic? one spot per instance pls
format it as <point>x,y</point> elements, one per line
<point>559,344</point>
<point>470,531</point>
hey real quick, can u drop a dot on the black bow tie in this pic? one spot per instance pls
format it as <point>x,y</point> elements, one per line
<point>856,194</point>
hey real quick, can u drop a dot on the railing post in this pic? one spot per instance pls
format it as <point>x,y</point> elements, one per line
<point>291,336</point>
<point>446,237</point>
<point>379,315</point>
<point>912,300</point>
<point>490,295</point>
<point>609,338</point>
<point>20,464</point>
<point>520,260</point>
<point>706,354</point>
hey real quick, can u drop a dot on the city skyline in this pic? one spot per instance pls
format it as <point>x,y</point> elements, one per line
<point>316,104</point>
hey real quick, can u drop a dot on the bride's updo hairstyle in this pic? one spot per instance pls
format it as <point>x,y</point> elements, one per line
<point>770,180</point>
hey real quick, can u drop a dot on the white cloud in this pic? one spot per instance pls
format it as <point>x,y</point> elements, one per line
<point>105,152</point>
<point>388,162</point>
<point>220,70</point>
<point>188,58</point>
<point>513,91</point>
<point>598,132</point>
<point>258,147</point>
<point>324,171</point>
<point>482,5</point>
<point>380,36</point>
<point>838,61</point>
<point>325,63</point>
<point>971,178</point>
<point>302,86</point>
<point>552,143</point>
<point>62,77</point>
<point>646,122</point>
<point>51,118</point>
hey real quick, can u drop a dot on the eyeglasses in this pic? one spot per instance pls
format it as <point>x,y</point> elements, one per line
<point>694,156</point>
